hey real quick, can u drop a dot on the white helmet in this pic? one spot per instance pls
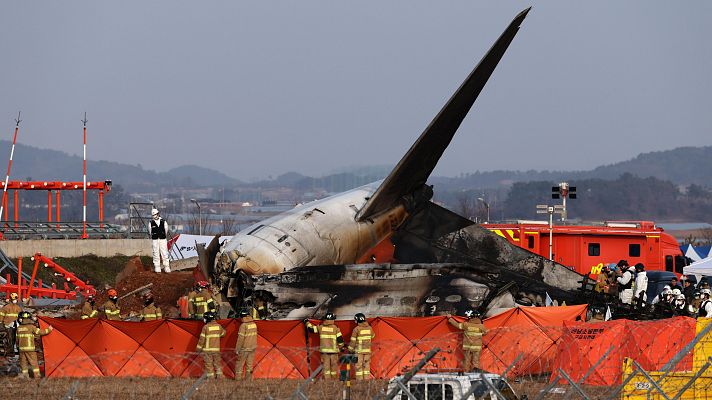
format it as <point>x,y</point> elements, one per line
<point>154,211</point>
<point>676,292</point>
<point>680,297</point>
<point>706,291</point>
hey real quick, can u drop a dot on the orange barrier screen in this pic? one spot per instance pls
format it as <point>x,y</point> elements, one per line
<point>85,348</point>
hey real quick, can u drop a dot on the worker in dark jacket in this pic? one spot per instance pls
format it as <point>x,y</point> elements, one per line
<point>158,229</point>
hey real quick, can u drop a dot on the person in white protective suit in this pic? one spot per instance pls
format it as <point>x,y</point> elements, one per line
<point>158,229</point>
<point>625,280</point>
<point>664,296</point>
<point>640,286</point>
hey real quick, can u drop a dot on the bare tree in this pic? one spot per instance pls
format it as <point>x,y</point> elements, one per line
<point>466,205</point>
<point>229,225</point>
<point>195,220</point>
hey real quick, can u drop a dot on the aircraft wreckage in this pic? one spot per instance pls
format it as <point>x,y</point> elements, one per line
<point>385,249</point>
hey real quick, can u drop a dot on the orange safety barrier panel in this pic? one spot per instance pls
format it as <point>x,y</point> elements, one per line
<point>532,332</point>
<point>166,348</point>
<point>651,343</point>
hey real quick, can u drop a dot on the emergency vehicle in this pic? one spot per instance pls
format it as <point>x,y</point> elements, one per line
<point>587,248</point>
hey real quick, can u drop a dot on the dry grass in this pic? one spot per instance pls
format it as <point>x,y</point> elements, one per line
<point>175,388</point>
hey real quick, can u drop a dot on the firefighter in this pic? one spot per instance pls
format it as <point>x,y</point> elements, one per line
<point>360,344</point>
<point>26,334</point>
<point>158,229</point>
<point>245,346</point>
<point>209,345</point>
<point>200,300</point>
<point>150,311</point>
<point>89,308</point>
<point>705,310</point>
<point>9,313</point>
<point>112,312</point>
<point>472,330</point>
<point>602,280</point>
<point>330,343</point>
<point>259,310</point>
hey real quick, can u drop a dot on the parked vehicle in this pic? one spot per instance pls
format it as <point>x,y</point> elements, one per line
<point>587,248</point>
<point>453,386</point>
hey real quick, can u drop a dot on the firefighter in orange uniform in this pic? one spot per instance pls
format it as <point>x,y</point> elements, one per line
<point>245,346</point>
<point>209,345</point>
<point>200,301</point>
<point>26,333</point>
<point>330,342</point>
<point>89,308</point>
<point>150,311</point>
<point>472,330</point>
<point>9,313</point>
<point>360,344</point>
<point>112,312</point>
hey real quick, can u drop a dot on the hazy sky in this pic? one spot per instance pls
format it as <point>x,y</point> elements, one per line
<point>261,88</point>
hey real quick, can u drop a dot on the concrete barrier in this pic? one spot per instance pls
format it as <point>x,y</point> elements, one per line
<point>76,247</point>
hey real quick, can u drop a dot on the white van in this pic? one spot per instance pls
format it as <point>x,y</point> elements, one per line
<point>452,386</point>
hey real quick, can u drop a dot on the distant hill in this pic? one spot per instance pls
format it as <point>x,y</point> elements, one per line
<point>199,176</point>
<point>682,166</point>
<point>42,164</point>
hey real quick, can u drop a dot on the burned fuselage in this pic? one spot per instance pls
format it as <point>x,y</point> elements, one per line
<point>475,269</point>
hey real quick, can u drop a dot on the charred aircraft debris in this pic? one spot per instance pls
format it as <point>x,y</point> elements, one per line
<point>340,253</point>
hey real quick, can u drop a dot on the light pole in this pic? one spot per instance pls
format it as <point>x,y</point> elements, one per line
<point>487,206</point>
<point>547,209</point>
<point>200,217</point>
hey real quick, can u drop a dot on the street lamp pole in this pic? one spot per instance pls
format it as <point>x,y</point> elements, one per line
<point>487,206</point>
<point>200,217</point>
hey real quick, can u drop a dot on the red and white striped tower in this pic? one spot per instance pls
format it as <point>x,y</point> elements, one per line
<point>9,164</point>
<point>84,189</point>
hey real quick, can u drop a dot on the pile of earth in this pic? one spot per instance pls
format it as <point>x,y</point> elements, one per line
<point>166,288</point>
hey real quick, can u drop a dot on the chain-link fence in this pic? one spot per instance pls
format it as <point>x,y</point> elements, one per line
<point>665,359</point>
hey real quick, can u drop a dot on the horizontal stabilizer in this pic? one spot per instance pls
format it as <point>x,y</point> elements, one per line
<point>418,163</point>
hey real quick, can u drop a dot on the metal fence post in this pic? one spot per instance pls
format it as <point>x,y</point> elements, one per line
<point>511,366</point>
<point>491,387</point>
<point>593,368</point>
<point>651,380</point>
<point>573,384</point>
<point>193,388</point>
<point>693,379</point>
<point>408,376</point>
<point>298,393</point>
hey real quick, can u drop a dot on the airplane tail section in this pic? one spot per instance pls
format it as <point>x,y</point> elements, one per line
<point>418,163</point>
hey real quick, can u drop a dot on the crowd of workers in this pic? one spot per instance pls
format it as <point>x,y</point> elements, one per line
<point>202,306</point>
<point>630,285</point>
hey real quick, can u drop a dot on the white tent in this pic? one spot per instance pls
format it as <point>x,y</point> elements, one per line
<point>691,253</point>
<point>699,268</point>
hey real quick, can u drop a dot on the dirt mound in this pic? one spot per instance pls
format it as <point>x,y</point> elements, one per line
<point>166,289</point>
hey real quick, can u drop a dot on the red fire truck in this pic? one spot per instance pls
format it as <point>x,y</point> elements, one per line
<point>587,248</point>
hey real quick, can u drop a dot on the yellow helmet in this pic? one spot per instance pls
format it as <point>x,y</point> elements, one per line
<point>13,296</point>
